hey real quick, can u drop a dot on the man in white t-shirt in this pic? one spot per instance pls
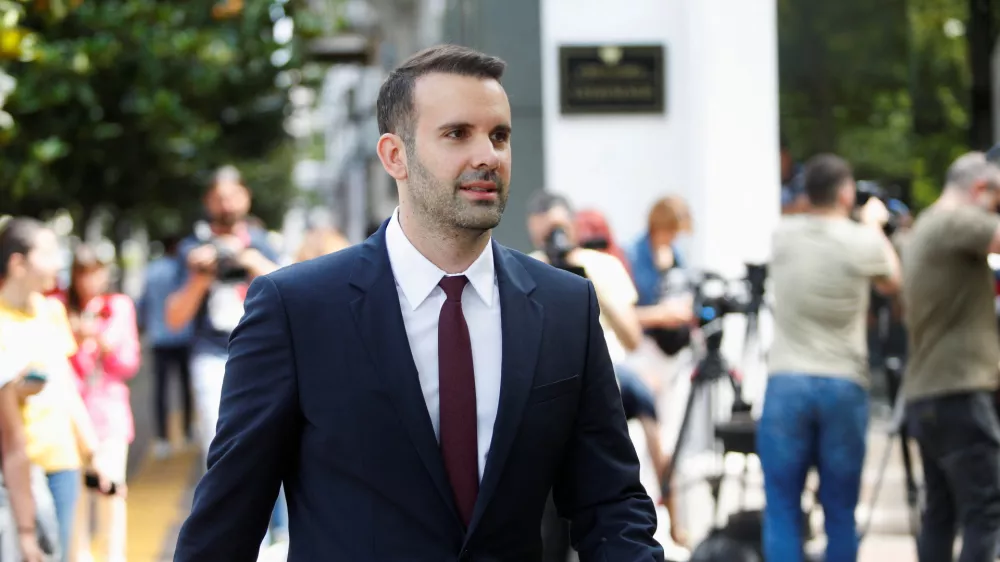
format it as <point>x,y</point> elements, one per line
<point>550,226</point>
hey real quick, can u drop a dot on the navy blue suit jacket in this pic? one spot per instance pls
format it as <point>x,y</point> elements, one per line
<point>321,393</point>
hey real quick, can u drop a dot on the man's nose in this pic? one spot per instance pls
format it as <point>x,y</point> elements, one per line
<point>486,154</point>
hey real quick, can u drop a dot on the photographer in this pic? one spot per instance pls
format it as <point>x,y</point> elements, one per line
<point>551,227</point>
<point>816,404</point>
<point>218,262</point>
<point>951,376</point>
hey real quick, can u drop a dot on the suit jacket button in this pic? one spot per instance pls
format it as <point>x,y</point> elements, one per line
<point>466,556</point>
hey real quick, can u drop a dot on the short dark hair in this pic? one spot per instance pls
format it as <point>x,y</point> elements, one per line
<point>543,201</point>
<point>395,98</point>
<point>17,236</point>
<point>824,175</point>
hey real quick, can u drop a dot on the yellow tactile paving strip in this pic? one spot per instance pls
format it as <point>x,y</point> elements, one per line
<point>155,504</point>
<point>156,501</point>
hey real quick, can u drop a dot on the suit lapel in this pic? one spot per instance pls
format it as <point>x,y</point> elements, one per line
<point>521,329</point>
<point>379,321</point>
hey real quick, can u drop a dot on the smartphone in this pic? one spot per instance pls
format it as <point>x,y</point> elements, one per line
<point>37,377</point>
<point>94,483</point>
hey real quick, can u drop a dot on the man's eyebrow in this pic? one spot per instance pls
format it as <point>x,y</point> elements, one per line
<point>454,125</point>
<point>505,128</point>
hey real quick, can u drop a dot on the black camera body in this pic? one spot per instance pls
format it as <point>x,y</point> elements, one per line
<point>713,299</point>
<point>227,267</point>
<point>557,249</point>
<point>866,189</point>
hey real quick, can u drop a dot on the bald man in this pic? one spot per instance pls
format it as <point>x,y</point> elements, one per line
<point>951,376</point>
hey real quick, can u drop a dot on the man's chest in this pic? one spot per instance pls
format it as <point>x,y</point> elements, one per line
<point>485,336</point>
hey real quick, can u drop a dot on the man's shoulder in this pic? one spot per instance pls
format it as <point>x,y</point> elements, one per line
<point>329,271</point>
<point>162,266</point>
<point>544,275</point>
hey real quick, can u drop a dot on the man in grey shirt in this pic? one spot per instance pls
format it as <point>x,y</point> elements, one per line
<point>816,405</point>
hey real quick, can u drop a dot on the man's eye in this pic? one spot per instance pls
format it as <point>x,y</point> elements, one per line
<point>456,134</point>
<point>501,137</point>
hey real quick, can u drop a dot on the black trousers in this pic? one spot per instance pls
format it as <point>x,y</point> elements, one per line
<point>165,361</point>
<point>959,439</point>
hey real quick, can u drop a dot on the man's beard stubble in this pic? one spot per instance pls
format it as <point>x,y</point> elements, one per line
<point>227,220</point>
<point>444,206</point>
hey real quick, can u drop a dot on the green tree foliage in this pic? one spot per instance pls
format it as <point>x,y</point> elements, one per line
<point>885,84</point>
<point>132,104</point>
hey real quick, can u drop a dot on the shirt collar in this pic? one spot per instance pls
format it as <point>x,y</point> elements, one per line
<point>418,277</point>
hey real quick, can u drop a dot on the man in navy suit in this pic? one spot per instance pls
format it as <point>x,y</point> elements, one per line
<point>420,394</point>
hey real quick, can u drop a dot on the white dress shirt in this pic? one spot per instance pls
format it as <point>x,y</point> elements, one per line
<point>420,299</point>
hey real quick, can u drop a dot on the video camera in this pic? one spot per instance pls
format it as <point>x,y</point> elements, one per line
<point>557,249</point>
<point>226,262</point>
<point>713,297</point>
<point>866,189</point>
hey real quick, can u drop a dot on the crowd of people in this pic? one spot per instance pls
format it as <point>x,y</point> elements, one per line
<point>816,407</point>
<point>67,355</point>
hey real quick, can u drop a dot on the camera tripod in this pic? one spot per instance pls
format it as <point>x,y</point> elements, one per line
<point>897,428</point>
<point>710,370</point>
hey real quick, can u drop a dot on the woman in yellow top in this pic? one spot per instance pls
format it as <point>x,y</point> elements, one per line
<point>36,339</point>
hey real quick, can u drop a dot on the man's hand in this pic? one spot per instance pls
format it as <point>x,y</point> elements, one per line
<point>674,312</point>
<point>30,551</point>
<point>874,213</point>
<point>255,262</point>
<point>203,259</point>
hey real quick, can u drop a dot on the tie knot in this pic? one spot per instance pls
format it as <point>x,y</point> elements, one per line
<point>453,285</point>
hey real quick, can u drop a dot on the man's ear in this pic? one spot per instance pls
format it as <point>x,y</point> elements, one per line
<point>392,154</point>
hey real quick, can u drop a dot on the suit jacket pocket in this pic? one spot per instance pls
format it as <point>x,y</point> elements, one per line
<point>552,390</point>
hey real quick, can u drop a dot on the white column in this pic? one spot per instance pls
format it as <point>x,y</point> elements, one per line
<point>731,75</point>
<point>716,144</point>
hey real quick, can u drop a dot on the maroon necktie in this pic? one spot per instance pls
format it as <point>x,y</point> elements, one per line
<point>457,391</point>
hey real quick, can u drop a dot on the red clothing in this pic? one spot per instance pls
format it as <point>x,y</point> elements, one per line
<point>102,377</point>
<point>591,225</point>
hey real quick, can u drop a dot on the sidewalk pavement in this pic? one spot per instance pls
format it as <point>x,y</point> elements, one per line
<point>888,539</point>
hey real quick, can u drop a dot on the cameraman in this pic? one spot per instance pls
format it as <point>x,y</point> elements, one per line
<point>217,264</point>
<point>551,227</point>
<point>816,404</point>
<point>212,302</point>
<point>951,377</point>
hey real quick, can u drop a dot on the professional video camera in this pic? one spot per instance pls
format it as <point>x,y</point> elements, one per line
<point>557,249</point>
<point>227,265</point>
<point>713,298</point>
<point>866,189</point>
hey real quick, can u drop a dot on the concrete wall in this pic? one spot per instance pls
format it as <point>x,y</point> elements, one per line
<point>511,30</point>
<point>716,144</point>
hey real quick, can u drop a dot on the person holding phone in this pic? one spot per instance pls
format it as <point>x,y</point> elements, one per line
<point>107,356</point>
<point>58,435</point>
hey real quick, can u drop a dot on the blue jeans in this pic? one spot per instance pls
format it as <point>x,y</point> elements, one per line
<point>65,487</point>
<point>811,421</point>
<point>638,400</point>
